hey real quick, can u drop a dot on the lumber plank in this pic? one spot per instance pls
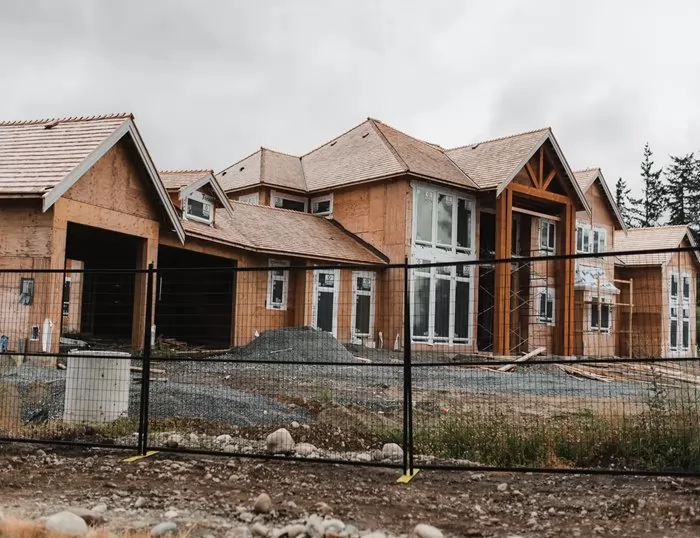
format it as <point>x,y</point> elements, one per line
<point>527,356</point>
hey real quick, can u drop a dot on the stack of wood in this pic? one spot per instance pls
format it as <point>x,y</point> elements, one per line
<point>667,374</point>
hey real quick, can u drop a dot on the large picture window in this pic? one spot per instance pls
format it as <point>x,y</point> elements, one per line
<point>442,220</point>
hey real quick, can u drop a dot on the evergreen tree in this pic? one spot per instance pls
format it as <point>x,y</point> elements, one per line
<point>681,189</point>
<point>648,210</point>
<point>622,199</point>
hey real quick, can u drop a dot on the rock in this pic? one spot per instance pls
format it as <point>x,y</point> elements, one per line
<point>258,529</point>
<point>377,455</point>
<point>374,535</point>
<point>230,449</point>
<point>392,451</point>
<point>66,523</point>
<point>304,449</point>
<point>171,514</point>
<point>246,517</point>
<point>140,502</point>
<point>163,528</point>
<point>502,487</point>
<point>426,531</point>
<point>350,531</point>
<point>280,442</point>
<point>295,424</point>
<point>314,527</point>
<point>193,437</point>
<point>2,516</point>
<point>100,508</point>
<point>323,508</point>
<point>224,439</point>
<point>333,525</point>
<point>263,504</point>
<point>290,531</point>
<point>363,456</point>
<point>174,441</point>
<point>93,519</point>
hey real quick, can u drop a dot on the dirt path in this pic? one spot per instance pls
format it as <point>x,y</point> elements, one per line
<point>210,494</point>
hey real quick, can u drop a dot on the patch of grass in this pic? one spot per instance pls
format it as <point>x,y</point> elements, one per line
<point>325,397</point>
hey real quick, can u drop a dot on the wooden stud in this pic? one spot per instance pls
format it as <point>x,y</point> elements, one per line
<point>541,175</point>
<point>537,193</point>
<point>531,173</point>
<point>549,179</point>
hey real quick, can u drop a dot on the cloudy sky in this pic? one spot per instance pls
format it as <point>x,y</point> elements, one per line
<point>211,81</point>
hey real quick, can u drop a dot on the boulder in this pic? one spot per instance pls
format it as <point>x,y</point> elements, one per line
<point>280,442</point>
<point>66,523</point>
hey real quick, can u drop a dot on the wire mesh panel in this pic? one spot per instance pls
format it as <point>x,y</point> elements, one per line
<point>310,369</point>
<point>67,370</point>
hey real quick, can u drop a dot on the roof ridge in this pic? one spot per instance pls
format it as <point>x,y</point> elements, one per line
<point>667,226</point>
<point>334,138</point>
<point>373,122</point>
<point>186,171</point>
<point>498,139</point>
<point>69,119</point>
<point>591,169</point>
<point>279,152</point>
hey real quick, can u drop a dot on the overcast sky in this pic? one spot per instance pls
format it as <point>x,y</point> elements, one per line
<point>211,81</point>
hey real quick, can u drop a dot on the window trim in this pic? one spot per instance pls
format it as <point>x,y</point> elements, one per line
<point>357,337</point>
<point>547,251</point>
<point>336,293</point>
<point>253,198</point>
<point>318,199</point>
<point>292,197</point>
<point>549,293</point>
<point>271,279</point>
<point>26,298</point>
<point>595,245</point>
<point>203,199</point>
<point>65,302</point>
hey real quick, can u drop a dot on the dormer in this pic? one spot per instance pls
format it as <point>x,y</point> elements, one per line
<point>196,193</point>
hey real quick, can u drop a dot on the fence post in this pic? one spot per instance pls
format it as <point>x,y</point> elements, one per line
<point>407,378</point>
<point>146,363</point>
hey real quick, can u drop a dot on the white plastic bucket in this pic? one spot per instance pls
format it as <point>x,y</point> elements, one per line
<point>97,387</point>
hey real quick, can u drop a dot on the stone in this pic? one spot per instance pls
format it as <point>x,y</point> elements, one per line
<point>163,528</point>
<point>174,440</point>
<point>426,531</point>
<point>246,517</point>
<point>502,487</point>
<point>280,442</point>
<point>100,508</point>
<point>140,502</point>
<point>377,455</point>
<point>224,439</point>
<point>304,449</point>
<point>295,424</point>
<point>363,457</point>
<point>290,531</point>
<point>314,527</point>
<point>93,519</point>
<point>171,514</point>
<point>333,525</point>
<point>376,534</point>
<point>350,531</point>
<point>392,451</point>
<point>258,529</point>
<point>230,449</point>
<point>66,523</point>
<point>263,504</point>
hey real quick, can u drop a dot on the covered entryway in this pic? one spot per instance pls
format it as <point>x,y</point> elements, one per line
<point>195,306</point>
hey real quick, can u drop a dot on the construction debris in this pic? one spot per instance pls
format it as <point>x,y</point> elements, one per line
<point>527,356</point>
<point>668,374</point>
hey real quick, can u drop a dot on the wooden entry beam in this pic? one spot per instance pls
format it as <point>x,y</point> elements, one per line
<point>501,314</point>
<point>538,193</point>
<point>567,240</point>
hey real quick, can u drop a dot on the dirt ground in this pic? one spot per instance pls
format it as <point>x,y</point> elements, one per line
<point>210,494</point>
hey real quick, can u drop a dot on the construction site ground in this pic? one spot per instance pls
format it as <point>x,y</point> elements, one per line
<point>209,494</point>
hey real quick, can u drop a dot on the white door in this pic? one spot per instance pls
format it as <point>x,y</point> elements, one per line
<point>325,306</point>
<point>362,320</point>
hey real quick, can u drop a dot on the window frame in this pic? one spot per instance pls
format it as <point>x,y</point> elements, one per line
<point>595,245</point>
<point>65,308</point>
<point>253,199</point>
<point>291,197</point>
<point>550,296</point>
<point>585,238</point>
<point>372,276</point>
<point>548,224</point>
<point>202,199</point>
<point>27,289</point>
<point>272,278</point>
<point>433,243</point>
<point>319,199</point>
<point>602,303</point>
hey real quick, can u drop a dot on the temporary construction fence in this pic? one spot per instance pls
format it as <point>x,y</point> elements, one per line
<point>477,364</point>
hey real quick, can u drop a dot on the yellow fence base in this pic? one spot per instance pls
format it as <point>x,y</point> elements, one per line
<point>141,456</point>
<point>407,477</point>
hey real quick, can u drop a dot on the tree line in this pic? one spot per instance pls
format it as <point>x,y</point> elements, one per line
<point>670,194</point>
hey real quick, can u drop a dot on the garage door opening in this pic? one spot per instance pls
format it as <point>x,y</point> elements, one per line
<point>195,307</point>
<point>106,299</point>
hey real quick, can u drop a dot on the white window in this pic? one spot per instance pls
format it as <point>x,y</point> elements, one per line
<point>199,206</point>
<point>685,328</point>
<point>582,239</point>
<point>66,295</point>
<point>545,305</point>
<point>674,287</point>
<point>288,201</point>
<point>548,232</point>
<point>250,198</point>
<point>322,205</point>
<point>599,240</point>
<point>674,328</point>
<point>600,314</point>
<point>442,220</point>
<point>686,289</point>
<point>277,282</point>
<point>362,321</point>
<point>441,303</point>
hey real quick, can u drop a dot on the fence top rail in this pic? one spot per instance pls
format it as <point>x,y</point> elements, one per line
<point>369,267</point>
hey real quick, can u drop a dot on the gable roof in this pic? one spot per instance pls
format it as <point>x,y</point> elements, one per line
<point>586,179</point>
<point>187,181</point>
<point>287,233</point>
<point>267,167</point>
<point>656,238</point>
<point>493,164</point>
<point>44,158</point>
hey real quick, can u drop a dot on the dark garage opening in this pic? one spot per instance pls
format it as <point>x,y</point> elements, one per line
<point>195,307</point>
<point>107,297</point>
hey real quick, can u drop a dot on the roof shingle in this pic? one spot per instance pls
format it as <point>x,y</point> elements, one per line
<point>644,239</point>
<point>177,179</point>
<point>265,166</point>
